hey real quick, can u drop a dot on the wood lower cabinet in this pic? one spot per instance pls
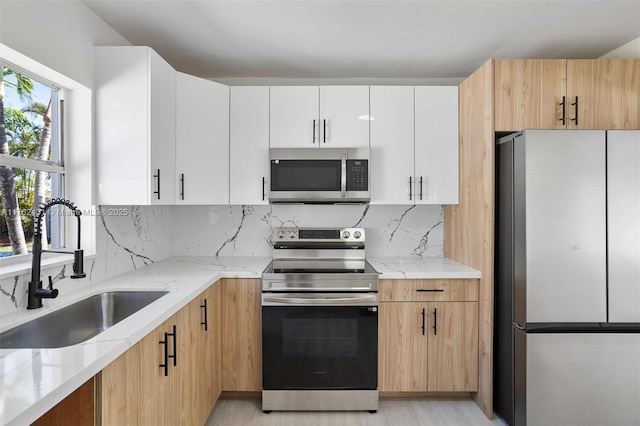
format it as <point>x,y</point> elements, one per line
<point>76,409</point>
<point>242,339</point>
<point>428,346</point>
<point>134,389</point>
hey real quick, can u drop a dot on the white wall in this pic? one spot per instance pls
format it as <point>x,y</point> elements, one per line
<point>58,34</point>
<point>61,35</point>
<point>629,50</point>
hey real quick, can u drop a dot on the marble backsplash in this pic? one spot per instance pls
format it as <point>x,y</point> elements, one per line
<point>146,234</point>
<point>246,230</point>
<point>123,243</point>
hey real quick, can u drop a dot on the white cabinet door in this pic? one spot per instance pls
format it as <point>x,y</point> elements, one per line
<point>294,116</point>
<point>249,145</point>
<point>344,116</point>
<point>436,145</point>
<point>135,126</point>
<point>392,136</point>
<point>202,141</point>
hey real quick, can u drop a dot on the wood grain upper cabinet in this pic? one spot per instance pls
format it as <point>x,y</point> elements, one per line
<point>567,94</point>
<point>202,141</point>
<point>607,93</point>
<point>135,126</point>
<point>426,345</point>
<point>312,116</point>
<point>249,145</point>
<point>529,93</point>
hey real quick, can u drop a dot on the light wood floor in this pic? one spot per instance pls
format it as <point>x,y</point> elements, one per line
<point>405,412</point>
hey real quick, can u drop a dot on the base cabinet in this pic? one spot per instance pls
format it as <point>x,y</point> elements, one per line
<point>425,344</point>
<point>137,388</point>
<point>242,339</point>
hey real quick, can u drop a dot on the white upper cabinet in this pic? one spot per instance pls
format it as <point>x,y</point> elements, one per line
<point>344,116</point>
<point>392,144</point>
<point>294,120</point>
<point>312,116</point>
<point>202,141</point>
<point>414,145</point>
<point>135,126</point>
<point>249,145</point>
<point>436,145</point>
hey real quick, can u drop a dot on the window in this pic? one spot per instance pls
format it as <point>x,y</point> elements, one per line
<point>31,160</point>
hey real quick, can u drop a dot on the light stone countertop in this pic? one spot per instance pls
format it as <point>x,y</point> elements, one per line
<point>421,268</point>
<point>32,381</point>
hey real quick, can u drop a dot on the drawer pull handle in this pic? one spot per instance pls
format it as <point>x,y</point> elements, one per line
<point>426,290</point>
<point>423,314</point>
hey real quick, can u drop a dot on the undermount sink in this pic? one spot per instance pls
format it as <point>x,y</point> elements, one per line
<point>78,322</point>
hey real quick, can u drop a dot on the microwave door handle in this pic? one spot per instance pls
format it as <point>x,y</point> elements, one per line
<point>343,176</point>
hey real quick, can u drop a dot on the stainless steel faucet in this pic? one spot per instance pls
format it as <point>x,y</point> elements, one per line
<point>36,292</point>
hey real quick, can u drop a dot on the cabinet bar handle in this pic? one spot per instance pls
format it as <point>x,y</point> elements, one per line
<point>423,314</point>
<point>324,131</point>
<point>576,105</point>
<point>205,322</point>
<point>165,365</point>
<point>429,289</point>
<point>263,182</point>
<point>435,321</point>
<point>563,104</point>
<point>182,186</point>
<point>158,181</point>
<point>420,188</point>
<point>410,188</point>
<point>174,356</point>
<point>313,134</point>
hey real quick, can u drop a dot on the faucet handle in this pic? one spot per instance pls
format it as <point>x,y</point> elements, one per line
<point>50,293</point>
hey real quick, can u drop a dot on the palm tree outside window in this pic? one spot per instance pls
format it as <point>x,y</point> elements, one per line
<point>31,166</point>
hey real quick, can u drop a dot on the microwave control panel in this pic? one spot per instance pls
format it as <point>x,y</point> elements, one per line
<point>357,175</point>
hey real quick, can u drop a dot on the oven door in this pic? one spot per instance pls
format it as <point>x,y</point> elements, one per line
<point>332,345</point>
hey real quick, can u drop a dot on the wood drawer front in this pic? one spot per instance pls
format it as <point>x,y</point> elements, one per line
<point>458,290</point>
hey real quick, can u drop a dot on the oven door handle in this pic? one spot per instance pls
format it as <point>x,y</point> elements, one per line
<point>301,300</point>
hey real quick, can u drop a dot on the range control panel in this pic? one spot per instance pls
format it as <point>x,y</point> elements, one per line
<point>318,234</point>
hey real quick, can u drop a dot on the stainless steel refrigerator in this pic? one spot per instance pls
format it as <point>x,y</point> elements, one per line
<point>567,290</point>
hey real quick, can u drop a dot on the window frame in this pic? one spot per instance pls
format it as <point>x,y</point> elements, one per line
<point>76,163</point>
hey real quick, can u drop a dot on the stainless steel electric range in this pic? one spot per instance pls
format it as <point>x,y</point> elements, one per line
<point>319,322</point>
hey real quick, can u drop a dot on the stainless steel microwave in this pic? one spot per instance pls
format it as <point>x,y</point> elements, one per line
<point>320,175</point>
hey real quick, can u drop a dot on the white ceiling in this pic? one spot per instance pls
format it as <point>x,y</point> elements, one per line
<point>366,40</point>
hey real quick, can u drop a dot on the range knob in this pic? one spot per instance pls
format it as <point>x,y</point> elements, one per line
<point>345,234</point>
<point>357,235</point>
<point>281,234</point>
<point>293,234</point>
